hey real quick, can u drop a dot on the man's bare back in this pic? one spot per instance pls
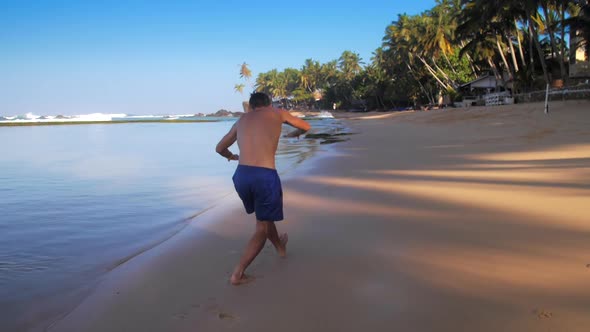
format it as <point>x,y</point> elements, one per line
<point>258,136</point>
<point>257,133</point>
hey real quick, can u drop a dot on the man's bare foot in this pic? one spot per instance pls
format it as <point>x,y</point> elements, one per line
<point>284,239</point>
<point>237,279</point>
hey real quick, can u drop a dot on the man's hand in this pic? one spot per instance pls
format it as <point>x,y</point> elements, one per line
<point>226,142</point>
<point>295,133</point>
<point>300,125</point>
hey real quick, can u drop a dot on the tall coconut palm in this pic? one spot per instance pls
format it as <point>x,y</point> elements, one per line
<point>310,75</point>
<point>439,37</point>
<point>350,64</point>
<point>399,43</point>
<point>245,72</point>
<point>490,12</point>
<point>548,25</point>
<point>239,87</point>
<point>264,83</point>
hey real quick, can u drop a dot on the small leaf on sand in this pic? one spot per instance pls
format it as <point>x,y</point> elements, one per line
<point>223,315</point>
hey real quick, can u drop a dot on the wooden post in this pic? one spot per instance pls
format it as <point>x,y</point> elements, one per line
<point>547,100</point>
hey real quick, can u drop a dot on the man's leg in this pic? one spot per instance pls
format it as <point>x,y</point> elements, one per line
<point>280,242</point>
<point>252,250</point>
<point>264,230</point>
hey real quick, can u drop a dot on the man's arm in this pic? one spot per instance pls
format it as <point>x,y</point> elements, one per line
<point>301,126</point>
<point>227,140</point>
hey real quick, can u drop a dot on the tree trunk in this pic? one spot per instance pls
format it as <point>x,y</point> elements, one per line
<point>449,81</point>
<point>449,63</point>
<point>503,59</point>
<point>513,54</point>
<point>531,48</point>
<point>519,44</point>
<point>419,83</point>
<point>494,68</point>
<point>433,73</point>
<point>470,60</point>
<point>533,31</point>
<point>552,40</point>
<point>563,8</point>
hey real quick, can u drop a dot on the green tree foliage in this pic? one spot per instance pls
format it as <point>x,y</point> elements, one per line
<point>526,43</point>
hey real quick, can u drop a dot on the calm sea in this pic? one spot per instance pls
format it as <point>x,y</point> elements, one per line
<point>76,199</point>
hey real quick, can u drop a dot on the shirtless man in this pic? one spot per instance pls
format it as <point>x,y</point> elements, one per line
<point>256,179</point>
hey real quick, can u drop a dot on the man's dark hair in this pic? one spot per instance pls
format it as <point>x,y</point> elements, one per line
<point>258,99</point>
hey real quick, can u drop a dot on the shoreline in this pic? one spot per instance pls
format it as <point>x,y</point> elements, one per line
<point>382,230</point>
<point>41,316</point>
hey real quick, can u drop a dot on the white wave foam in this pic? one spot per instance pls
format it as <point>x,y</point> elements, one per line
<point>93,117</point>
<point>325,115</point>
<point>30,117</point>
<point>144,116</point>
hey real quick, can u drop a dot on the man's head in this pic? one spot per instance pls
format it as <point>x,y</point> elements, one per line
<point>259,99</point>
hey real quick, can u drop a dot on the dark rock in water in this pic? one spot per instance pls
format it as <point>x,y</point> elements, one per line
<point>328,138</point>
<point>326,135</point>
<point>43,117</point>
<point>61,117</point>
<point>199,115</point>
<point>225,113</point>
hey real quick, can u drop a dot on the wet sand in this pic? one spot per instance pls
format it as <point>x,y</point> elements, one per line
<point>457,220</point>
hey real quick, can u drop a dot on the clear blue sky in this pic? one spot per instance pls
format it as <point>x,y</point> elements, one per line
<point>169,56</point>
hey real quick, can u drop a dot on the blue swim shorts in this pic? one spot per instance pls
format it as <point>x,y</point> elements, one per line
<point>260,190</point>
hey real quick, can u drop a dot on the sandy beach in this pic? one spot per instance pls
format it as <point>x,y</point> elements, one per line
<point>451,220</point>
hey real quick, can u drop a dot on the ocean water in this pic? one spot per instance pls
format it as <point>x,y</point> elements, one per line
<point>77,199</point>
<point>30,118</point>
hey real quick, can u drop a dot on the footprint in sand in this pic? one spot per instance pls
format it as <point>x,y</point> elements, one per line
<point>226,316</point>
<point>181,315</point>
<point>542,313</point>
<point>220,313</point>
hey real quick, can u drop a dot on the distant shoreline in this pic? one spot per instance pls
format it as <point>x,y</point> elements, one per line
<point>58,123</point>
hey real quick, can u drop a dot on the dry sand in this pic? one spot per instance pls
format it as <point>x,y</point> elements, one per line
<point>457,220</point>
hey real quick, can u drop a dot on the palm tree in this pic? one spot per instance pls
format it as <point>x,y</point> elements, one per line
<point>547,24</point>
<point>245,72</point>
<point>349,64</point>
<point>439,36</point>
<point>398,46</point>
<point>481,17</point>
<point>239,88</point>
<point>263,83</point>
<point>310,75</point>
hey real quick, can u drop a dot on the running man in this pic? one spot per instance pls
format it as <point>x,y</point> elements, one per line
<point>256,179</point>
